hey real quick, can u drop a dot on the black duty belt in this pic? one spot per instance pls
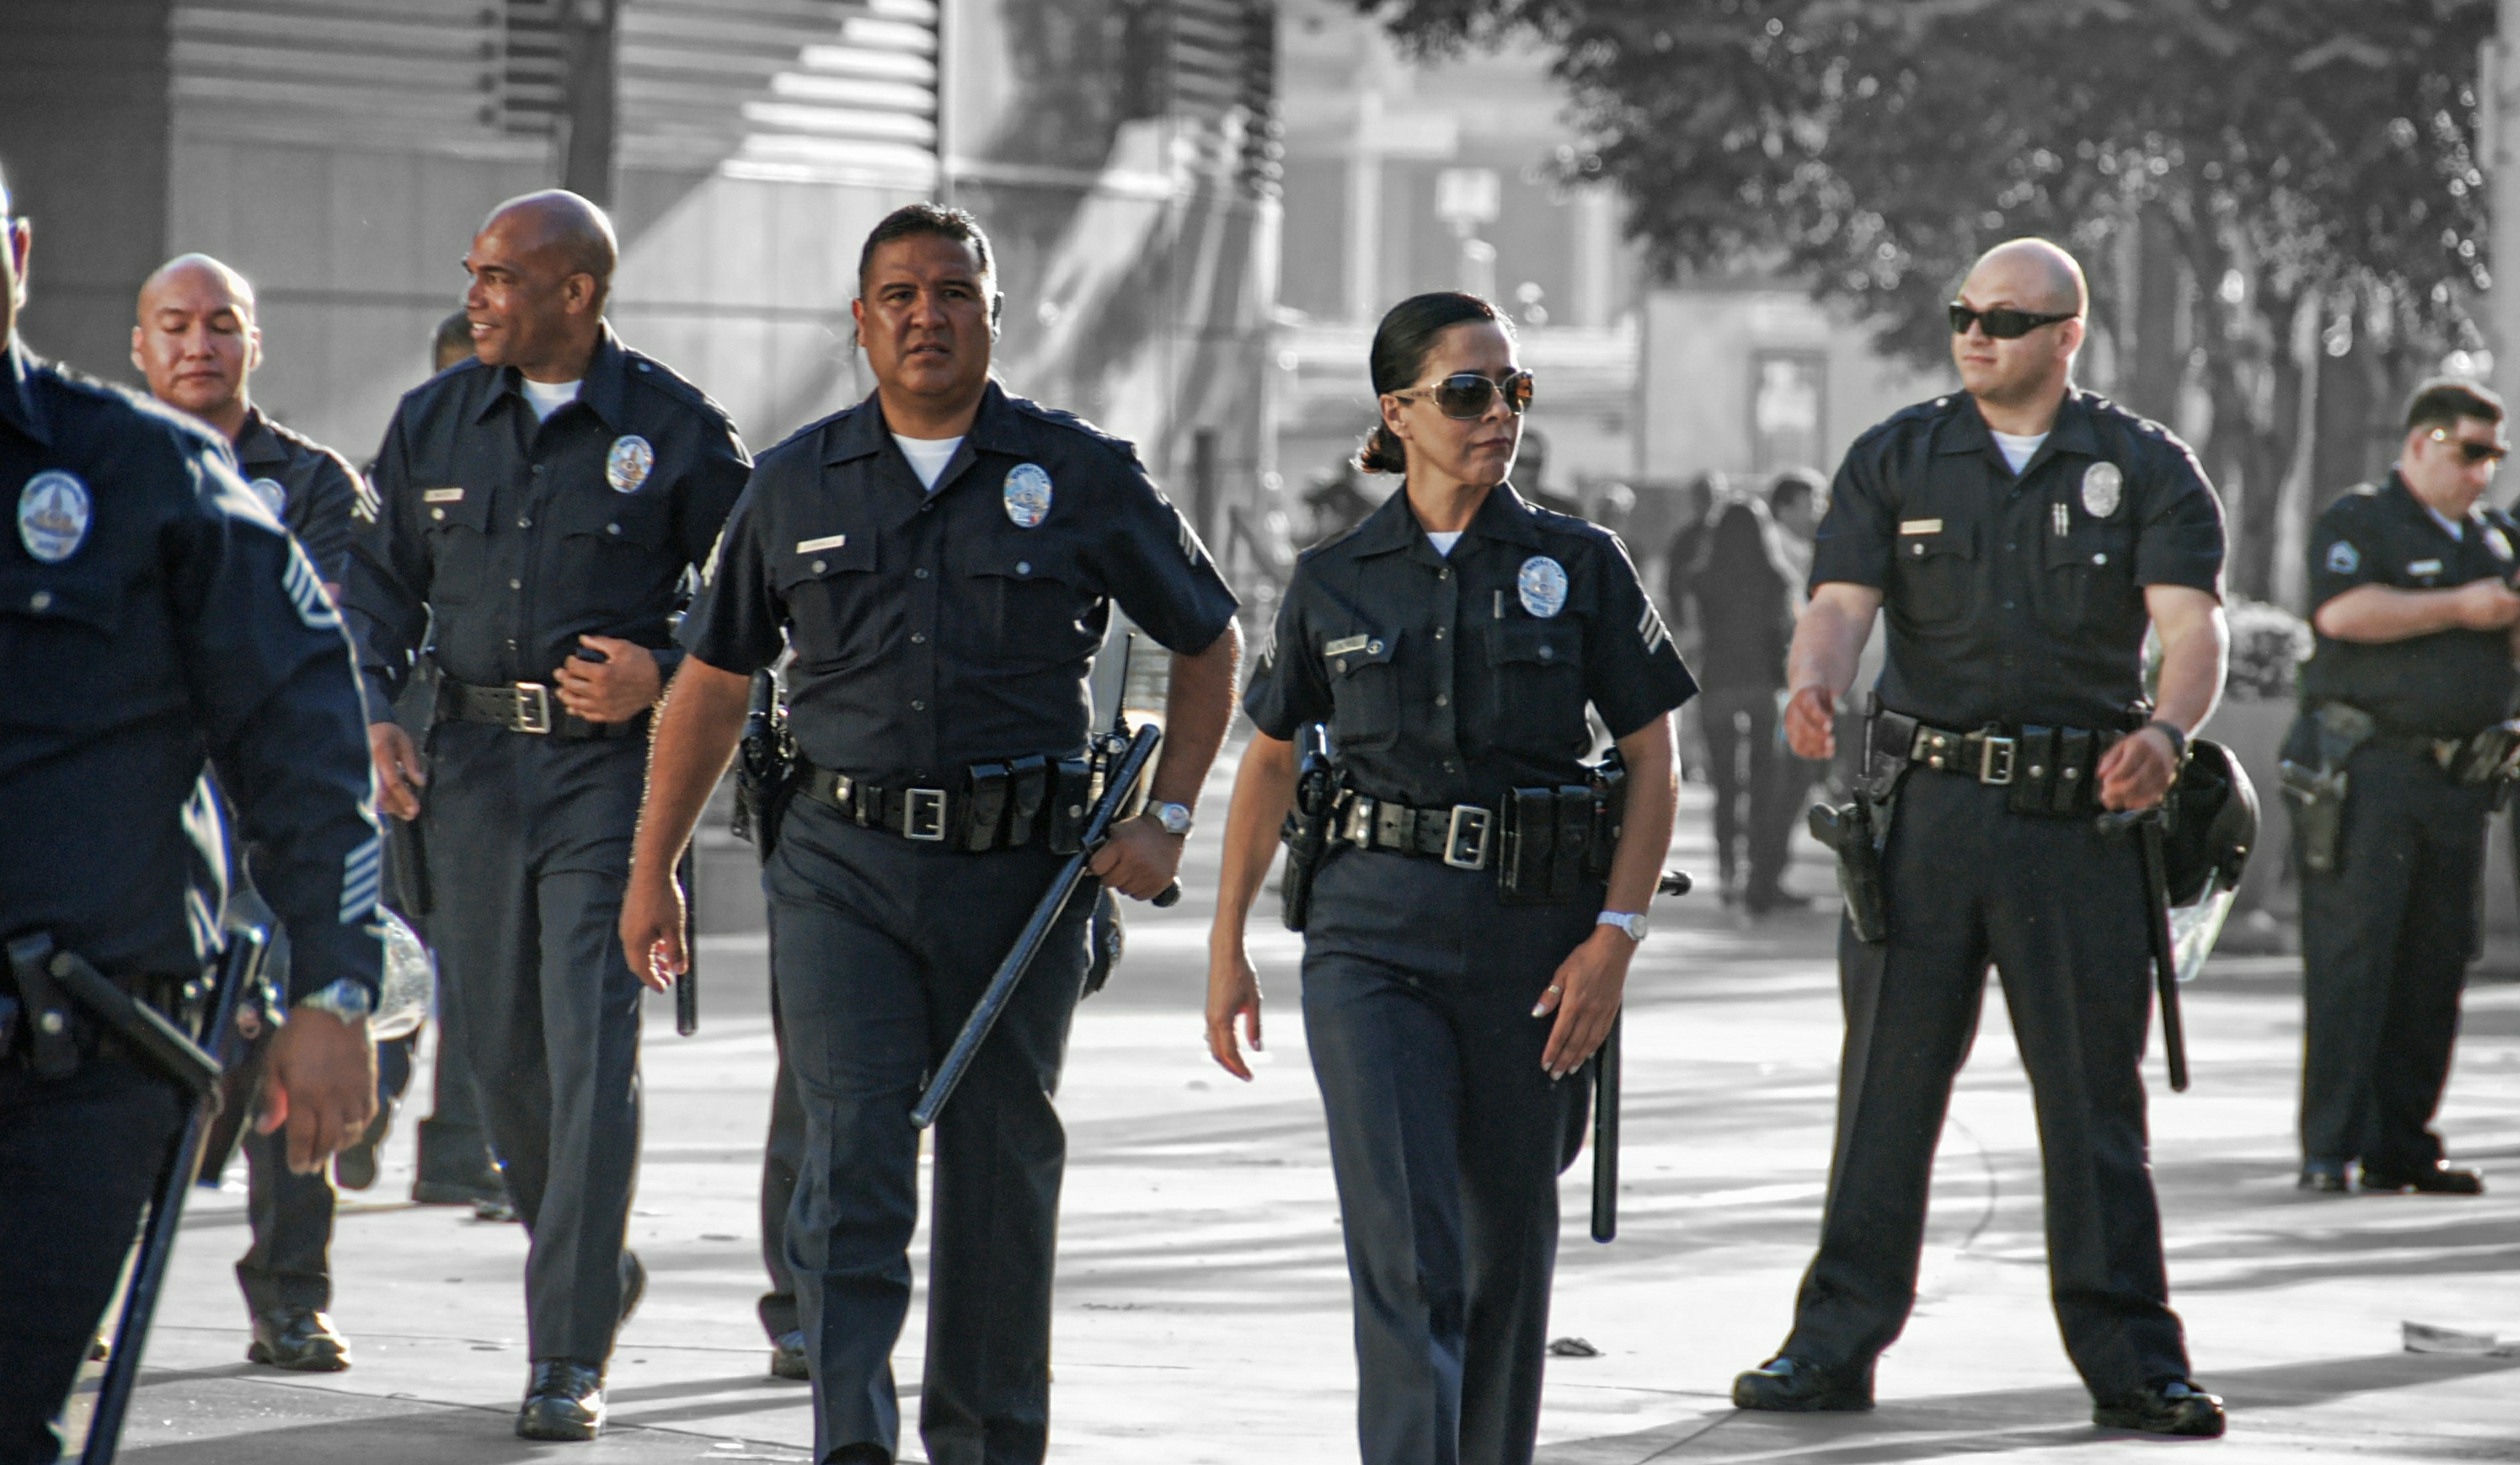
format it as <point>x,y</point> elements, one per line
<point>988,806</point>
<point>526,708</point>
<point>76,1031</point>
<point>1545,844</point>
<point>2051,770</point>
<point>1458,836</point>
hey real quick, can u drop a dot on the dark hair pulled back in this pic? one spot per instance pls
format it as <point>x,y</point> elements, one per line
<point>1401,346</point>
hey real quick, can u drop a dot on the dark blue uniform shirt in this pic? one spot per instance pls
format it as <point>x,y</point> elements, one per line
<point>518,537</point>
<point>2018,599</point>
<point>934,630</point>
<point>313,490</point>
<point>2447,684</point>
<point>1454,679</point>
<point>154,615</point>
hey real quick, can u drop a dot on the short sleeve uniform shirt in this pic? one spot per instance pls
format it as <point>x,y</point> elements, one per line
<point>2449,684</point>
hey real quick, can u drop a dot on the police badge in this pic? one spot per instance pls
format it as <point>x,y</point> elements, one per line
<point>1027,495</point>
<point>53,516</point>
<point>626,467</point>
<point>1541,584</point>
<point>2102,487</point>
<point>274,497</point>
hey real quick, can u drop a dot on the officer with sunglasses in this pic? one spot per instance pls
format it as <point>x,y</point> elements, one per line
<point>1470,927</point>
<point>2399,758</point>
<point>2020,536</point>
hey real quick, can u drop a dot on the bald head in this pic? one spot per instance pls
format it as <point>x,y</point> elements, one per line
<point>196,340</point>
<point>197,278</point>
<point>2028,274</point>
<point>540,267</point>
<point>571,230</point>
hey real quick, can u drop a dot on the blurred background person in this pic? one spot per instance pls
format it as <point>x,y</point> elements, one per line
<point>1742,595</point>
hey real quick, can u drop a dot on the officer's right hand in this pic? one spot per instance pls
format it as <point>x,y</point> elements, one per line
<point>651,927</point>
<point>1233,990</point>
<point>322,1087</point>
<point>2486,605</point>
<point>1811,723</point>
<point>399,775</point>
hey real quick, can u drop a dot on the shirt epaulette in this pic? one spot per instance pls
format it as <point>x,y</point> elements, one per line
<point>647,371</point>
<point>1058,418</point>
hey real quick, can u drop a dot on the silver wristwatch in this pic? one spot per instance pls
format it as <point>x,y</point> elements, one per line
<point>1174,817</point>
<point>1632,925</point>
<point>346,999</point>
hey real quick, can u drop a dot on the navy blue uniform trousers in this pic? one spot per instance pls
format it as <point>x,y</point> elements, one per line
<point>78,1158</point>
<point>2386,939</point>
<point>2058,908</point>
<point>529,847</point>
<point>881,947</point>
<point>1447,1138</point>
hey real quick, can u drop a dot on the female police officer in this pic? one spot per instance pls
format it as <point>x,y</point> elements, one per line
<point>1462,955</point>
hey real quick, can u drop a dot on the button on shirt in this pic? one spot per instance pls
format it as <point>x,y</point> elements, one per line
<point>313,490</point>
<point>2018,599</point>
<point>519,536</point>
<point>154,615</point>
<point>2449,683</point>
<point>934,630</point>
<point>1454,678</point>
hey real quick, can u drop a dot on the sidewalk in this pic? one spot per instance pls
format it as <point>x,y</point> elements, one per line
<point>1202,1306</point>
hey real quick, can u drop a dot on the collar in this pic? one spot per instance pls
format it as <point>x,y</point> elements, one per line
<point>18,404</point>
<point>256,443</point>
<point>2417,508</point>
<point>1966,432</point>
<point>1503,516</point>
<point>996,427</point>
<point>599,388</point>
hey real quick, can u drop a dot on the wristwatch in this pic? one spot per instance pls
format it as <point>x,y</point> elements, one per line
<point>1174,817</point>
<point>1632,925</point>
<point>346,999</point>
<point>2177,738</point>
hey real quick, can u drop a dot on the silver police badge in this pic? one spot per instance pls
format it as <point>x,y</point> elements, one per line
<point>274,496</point>
<point>2103,486</point>
<point>1027,495</point>
<point>1541,584</point>
<point>626,467</point>
<point>53,516</point>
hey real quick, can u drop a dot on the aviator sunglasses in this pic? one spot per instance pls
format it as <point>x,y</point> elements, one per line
<point>2473,452</point>
<point>2002,322</point>
<point>1468,395</point>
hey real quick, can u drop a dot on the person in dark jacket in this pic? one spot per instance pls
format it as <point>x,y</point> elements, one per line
<point>1742,595</point>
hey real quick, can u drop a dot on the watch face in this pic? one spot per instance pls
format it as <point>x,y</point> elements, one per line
<point>1174,817</point>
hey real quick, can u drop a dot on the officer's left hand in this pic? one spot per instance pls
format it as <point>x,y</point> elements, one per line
<point>1140,860</point>
<point>1584,994</point>
<point>2136,772</point>
<point>616,689</point>
<point>321,1084</point>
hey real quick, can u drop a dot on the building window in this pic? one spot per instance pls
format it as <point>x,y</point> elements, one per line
<point>1787,395</point>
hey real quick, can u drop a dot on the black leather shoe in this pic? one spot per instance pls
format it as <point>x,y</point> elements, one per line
<point>788,1356</point>
<point>300,1339</point>
<point>634,1287</point>
<point>2439,1181</point>
<point>2326,1176</point>
<point>1797,1385</point>
<point>563,1402</point>
<point>2171,1408</point>
<point>494,1208</point>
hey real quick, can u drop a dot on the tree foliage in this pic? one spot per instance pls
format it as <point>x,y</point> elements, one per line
<point>2313,163</point>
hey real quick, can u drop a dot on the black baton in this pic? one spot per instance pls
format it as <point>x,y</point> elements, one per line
<point>687,985</point>
<point>1605,1102</point>
<point>2146,823</point>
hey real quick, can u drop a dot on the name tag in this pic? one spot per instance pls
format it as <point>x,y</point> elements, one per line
<point>1921,526</point>
<point>827,541</point>
<point>2425,566</point>
<point>441,495</point>
<point>1344,645</point>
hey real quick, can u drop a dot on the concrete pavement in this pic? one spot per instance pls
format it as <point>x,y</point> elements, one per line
<point>1202,1307</point>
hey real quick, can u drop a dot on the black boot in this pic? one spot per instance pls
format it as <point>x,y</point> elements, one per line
<point>2172,1406</point>
<point>565,1401</point>
<point>1798,1386</point>
<point>299,1338</point>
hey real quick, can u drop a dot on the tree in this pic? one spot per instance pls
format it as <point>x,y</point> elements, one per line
<point>2310,165</point>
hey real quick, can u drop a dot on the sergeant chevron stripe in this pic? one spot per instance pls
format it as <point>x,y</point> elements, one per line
<point>362,876</point>
<point>306,592</point>
<point>1649,625</point>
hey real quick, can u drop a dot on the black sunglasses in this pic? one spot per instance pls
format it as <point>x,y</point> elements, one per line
<point>2002,322</point>
<point>1468,395</point>
<point>2473,452</point>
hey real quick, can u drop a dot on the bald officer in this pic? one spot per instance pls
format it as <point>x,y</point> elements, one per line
<point>543,506</point>
<point>2020,535</point>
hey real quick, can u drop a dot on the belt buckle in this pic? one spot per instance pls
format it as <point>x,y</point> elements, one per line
<point>1996,757</point>
<point>533,709</point>
<point>1469,828</point>
<point>922,815</point>
<point>1358,829</point>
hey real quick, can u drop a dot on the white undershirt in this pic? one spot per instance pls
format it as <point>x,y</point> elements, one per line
<point>1444,543</point>
<point>927,456</point>
<point>548,398</point>
<point>2017,450</point>
<point>2447,523</point>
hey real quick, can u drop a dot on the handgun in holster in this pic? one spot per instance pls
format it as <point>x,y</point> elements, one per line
<point>1306,831</point>
<point>1858,830</point>
<point>2315,783</point>
<point>764,767</point>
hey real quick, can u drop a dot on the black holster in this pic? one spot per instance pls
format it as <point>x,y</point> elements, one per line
<point>765,769</point>
<point>1859,831</point>
<point>2312,768</point>
<point>1307,829</point>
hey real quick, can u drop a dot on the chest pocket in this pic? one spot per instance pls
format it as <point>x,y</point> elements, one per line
<point>1936,575</point>
<point>838,614</point>
<point>455,521</point>
<point>1539,672</point>
<point>617,548</point>
<point>1024,600</point>
<point>2089,576</point>
<point>56,627</point>
<point>1365,688</point>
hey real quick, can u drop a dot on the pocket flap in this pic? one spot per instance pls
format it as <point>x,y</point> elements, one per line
<point>2094,546</point>
<point>1940,542</point>
<point>447,505</point>
<point>1347,654</point>
<point>820,556</point>
<point>1026,561</point>
<point>41,594</point>
<point>640,518</point>
<point>1539,643</point>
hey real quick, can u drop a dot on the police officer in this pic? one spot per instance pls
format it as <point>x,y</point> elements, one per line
<point>197,343</point>
<point>943,557</point>
<point>1455,975</point>
<point>2418,628</point>
<point>541,506</point>
<point>153,614</point>
<point>2019,534</point>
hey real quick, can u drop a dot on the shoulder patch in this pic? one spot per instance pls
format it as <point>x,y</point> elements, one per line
<point>2343,558</point>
